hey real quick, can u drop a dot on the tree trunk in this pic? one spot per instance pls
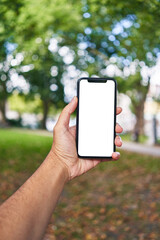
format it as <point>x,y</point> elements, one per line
<point>139,112</point>
<point>139,126</point>
<point>3,111</point>
<point>45,113</point>
<point>155,129</point>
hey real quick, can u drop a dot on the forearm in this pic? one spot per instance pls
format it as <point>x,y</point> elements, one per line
<point>26,213</point>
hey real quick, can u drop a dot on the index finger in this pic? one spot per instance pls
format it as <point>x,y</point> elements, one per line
<point>118,110</point>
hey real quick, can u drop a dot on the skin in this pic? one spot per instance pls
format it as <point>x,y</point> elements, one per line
<point>26,214</point>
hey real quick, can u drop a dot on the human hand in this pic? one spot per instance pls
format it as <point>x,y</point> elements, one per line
<point>64,144</point>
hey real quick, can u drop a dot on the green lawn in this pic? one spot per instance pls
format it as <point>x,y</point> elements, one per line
<point>128,137</point>
<point>116,200</point>
<point>20,151</point>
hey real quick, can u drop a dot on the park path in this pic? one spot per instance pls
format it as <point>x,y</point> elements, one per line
<point>141,148</point>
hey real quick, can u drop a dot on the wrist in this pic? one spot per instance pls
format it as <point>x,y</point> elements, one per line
<point>60,166</point>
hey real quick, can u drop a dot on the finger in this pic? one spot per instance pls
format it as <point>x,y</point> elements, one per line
<point>118,110</point>
<point>115,155</point>
<point>64,117</point>
<point>118,141</point>
<point>119,129</point>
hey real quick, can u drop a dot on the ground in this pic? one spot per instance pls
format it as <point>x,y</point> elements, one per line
<point>115,201</point>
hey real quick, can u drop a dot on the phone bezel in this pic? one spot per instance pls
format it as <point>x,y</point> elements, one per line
<point>98,80</point>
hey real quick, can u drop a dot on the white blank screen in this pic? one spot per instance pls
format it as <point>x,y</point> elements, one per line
<point>96,118</point>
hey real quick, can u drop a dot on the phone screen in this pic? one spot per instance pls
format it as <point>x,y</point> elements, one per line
<point>96,117</point>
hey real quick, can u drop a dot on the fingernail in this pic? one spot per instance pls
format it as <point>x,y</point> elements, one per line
<point>119,138</point>
<point>117,154</point>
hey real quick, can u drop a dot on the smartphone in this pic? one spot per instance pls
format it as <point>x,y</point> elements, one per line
<point>96,117</point>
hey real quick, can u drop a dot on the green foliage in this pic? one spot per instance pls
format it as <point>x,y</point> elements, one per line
<point>134,87</point>
<point>23,22</point>
<point>124,30</point>
<point>40,77</point>
<point>142,18</point>
<point>18,103</point>
<point>43,18</point>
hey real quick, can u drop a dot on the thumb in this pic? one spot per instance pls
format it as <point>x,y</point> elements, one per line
<point>64,117</point>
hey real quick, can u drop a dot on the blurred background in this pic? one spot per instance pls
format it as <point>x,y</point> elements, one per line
<point>45,46</point>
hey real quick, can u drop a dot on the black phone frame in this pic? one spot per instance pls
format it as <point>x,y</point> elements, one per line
<point>98,80</point>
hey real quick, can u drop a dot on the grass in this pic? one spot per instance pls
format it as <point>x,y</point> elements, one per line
<point>20,151</point>
<point>128,137</point>
<point>116,200</point>
<point>158,141</point>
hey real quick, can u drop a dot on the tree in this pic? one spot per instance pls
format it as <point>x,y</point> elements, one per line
<point>99,34</point>
<point>48,66</point>
<point>23,24</point>
<point>137,91</point>
<point>8,16</point>
<point>119,33</point>
<point>45,79</point>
